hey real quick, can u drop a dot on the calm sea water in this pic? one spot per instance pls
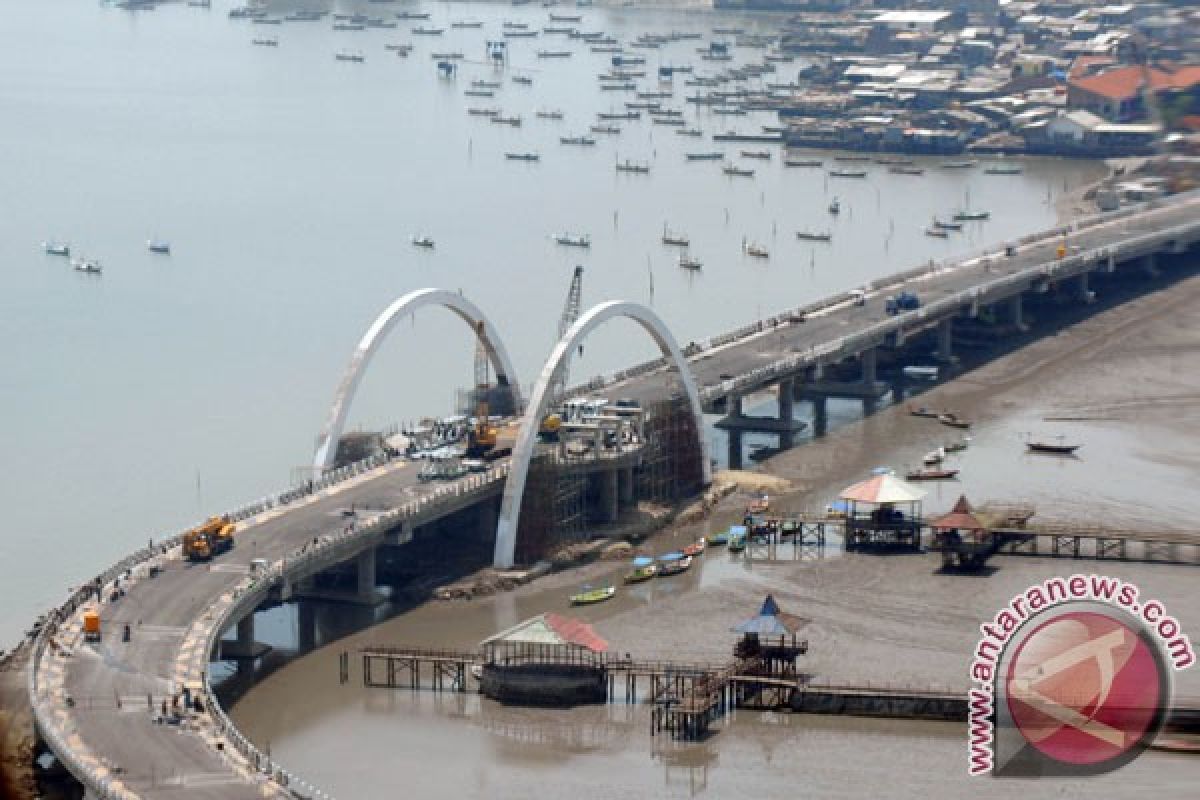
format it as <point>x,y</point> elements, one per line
<point>289,183</point>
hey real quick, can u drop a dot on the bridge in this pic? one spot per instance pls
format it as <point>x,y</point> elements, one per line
<point>100,706</point>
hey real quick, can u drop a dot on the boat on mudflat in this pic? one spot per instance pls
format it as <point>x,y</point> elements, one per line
<point>953,420</point>
<point>923,411</point>
<point>56,249</point>
<point>573,239</point>
<point>695,548</point>
<point>814,236</point>
<point>644,569</point>
<point>673,564</point>
<point>931,474</point>
<point>590,596</point>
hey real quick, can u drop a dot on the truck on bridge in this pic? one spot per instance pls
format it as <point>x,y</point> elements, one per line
<point>210,539</point>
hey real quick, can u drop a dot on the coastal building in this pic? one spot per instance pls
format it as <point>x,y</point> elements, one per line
<point>1117,93</point>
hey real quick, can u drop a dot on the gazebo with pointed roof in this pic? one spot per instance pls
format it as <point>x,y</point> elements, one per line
<point>769,640</point>
<point>883,512</point>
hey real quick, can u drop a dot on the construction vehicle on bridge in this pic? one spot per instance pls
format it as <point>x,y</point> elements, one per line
<point>212,538</point>
<point>91,625</point>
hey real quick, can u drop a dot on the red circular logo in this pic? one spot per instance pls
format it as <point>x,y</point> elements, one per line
<point>1084,688</point>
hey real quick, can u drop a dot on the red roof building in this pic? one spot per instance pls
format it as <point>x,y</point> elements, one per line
<point>1116,94</point>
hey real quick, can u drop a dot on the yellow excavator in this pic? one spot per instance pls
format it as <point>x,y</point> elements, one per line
<point>212,538</point>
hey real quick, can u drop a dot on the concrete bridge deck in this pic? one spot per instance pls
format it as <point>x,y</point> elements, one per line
<point>95,704</point>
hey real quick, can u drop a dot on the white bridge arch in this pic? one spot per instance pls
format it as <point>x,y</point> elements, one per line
<point>514,487</point>
<point>505,376</point>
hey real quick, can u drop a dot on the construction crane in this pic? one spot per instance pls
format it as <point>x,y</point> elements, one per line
<point>481,440</point>
<point>570,313</point>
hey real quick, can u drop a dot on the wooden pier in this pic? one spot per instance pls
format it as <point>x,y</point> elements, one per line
<point>395,668</point>
<point>787,537</point>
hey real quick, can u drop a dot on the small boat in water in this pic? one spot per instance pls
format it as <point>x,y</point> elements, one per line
<point>755,250</point>
<point>928,474</point>
<point>687,262</point>
<point>675,239</point>
<point>953,420</point>
<point>947,226</point>
<point>762,155</point>
<point>958,164</point>
<point>573,239</point>
<point>631,166</point>
<point>937,232</point>
<point>549,113</point>
<point>814,236</point>
<point>524,80</point>
<point>356,57</point>
<point>803,162</point>
<point>1003,169</point>
<point>605,129</point>
<point>714,156</point>
<point>158,246</point>
<point>969,216</point>
<point>835,207</point>
<point>690,132</point>
<point>957,447</point>
<point>934,457</point>
<point>422,241</point>
<point>848,173</point>
<point>576,140</point>
<point>731,170</point>
<point>522,156</point>
<point>695,548</point>
<point>590,596</point>
<point>56,249</point>
<point>423,31</point>
<point>265,42</point>
<point>89,265</point>
<point>906,170</point>
<point>1059,449</point>
<point>923,411</point>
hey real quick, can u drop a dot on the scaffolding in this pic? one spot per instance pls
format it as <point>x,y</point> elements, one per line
<point>673,460</point>
<point>554,511</point>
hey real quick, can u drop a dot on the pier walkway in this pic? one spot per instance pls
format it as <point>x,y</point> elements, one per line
<point>100,706</point>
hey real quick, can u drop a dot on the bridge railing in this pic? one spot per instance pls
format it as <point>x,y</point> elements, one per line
<point>254,588</point>
<point>102,786</point>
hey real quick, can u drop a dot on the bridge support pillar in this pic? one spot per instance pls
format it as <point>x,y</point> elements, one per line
<point>1150,265</point>
<point>820,415</point>
<point>945,340</point>
<point>365,573</point>
<point>870,362</point>
<point>735,448</point>
<point>625,486</point>
<point>243,649</point>
<point>735,405</point>
<point>245,632</point>
<point>608,499</point>
<point>306,626</point>
<point>787,395</point>
<point>1016,310</point>
<point>488,516</point>
<point>1083,290</point>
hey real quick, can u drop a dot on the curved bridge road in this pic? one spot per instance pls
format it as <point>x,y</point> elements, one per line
<point>96,703</point>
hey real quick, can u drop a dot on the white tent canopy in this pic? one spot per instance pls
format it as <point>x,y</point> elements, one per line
<point>880,489</point>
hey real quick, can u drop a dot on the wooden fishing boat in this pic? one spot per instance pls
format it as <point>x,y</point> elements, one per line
<point>934,457</point>
<point>923,411</point>
<point>643,573</point>
<point>695,548</point>
<point>1059,449</point>
<point>759,506</point>
<point>928,474</point>
<point>589,596</point>
<point>957,447</point>
<point>673,564</point>
<point>953,420</point>
<point>719,539</point>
